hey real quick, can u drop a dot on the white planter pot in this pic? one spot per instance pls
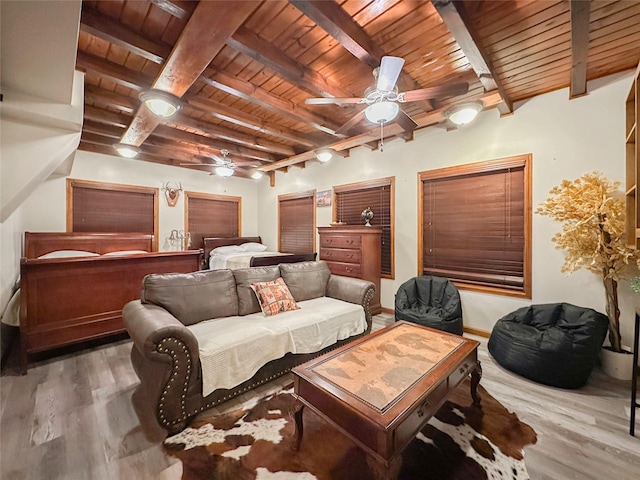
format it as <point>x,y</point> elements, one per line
<point>617,365</point>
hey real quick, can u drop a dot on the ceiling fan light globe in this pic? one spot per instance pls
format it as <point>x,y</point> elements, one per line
<point>127,151</point>
<point>257,175</point>
<point>464,114</point>
<point>161,104</point>
<point>224,171</point>
<point>381,112</point>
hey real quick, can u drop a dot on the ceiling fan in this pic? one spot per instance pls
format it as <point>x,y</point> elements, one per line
<point>224,166</point>
<point>382,98</point>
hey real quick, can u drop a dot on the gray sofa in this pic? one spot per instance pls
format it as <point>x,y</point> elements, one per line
<point>175,308</point>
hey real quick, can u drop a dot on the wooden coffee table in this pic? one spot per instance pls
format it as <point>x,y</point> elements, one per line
<point>382,389</point>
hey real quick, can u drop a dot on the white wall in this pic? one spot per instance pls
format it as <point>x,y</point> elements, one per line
<point>566,138</point>
<point>45,210</point>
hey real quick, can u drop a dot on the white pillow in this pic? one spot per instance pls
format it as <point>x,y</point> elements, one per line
<point>124,252</point>
<point>68,254</point>
<point>227,249</point>
<point>254,247</point>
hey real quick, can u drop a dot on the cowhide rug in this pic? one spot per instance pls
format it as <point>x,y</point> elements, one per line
<point>460,442</point>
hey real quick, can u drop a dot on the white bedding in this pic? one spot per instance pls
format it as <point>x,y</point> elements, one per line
<point>11,314</point>
<point>232,349</point>
<point>235,260</point>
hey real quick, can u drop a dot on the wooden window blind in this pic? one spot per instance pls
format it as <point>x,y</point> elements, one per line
<point>352,199</point>
<point>112,208</point>
<point>476,224</point>
<point>297,222</point>
<point>209,215</point>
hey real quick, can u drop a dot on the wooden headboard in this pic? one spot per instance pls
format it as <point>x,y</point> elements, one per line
<point>40,243</point>
<point>214,242</point>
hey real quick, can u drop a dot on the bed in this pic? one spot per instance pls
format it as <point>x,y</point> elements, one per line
<point>248,252</point>
<point>74,285</point>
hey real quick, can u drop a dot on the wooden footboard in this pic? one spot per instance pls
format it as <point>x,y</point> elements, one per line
<point>72,300</point>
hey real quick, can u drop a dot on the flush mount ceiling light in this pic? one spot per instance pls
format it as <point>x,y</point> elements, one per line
<point>256,175</point>
<point>223,171</point>
<point>128,151</point>
<point>162,104</point>
<point>381,112</point>
<point>465,113</point>
<point>324,154</point>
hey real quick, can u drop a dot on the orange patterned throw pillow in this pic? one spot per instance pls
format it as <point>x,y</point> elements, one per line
<point>274,297</point>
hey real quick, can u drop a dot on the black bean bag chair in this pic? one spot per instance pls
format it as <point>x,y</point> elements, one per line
<point>430,301</point>
<point>555,344</point>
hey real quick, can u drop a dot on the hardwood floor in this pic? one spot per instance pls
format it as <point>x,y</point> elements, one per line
<point>71,418</point>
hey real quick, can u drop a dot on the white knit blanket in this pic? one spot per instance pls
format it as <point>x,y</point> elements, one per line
<point>232,349</point>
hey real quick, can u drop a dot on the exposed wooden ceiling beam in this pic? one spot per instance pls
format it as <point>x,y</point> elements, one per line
<point>107,150</point>
<point>251,45</point>
<point>106,117</point>
<point>141,46</point>
<point>118,34</point>
<point>461,27</point>
<point>107,98</point>
<point>580,11</point>
<point>121,120</point>
<point>136,43</point>
<point>490,100</point>
<point>97,147</point>
<point>256,95</point>
<point>238,117</point>
<point>127,104</point>
<point>230,135</point>
<point>112,71</point>
<point>202,38</point>
<point>181,9</point>
<point>334,20</point>
<point>193,156</point>
<point>194,138</point>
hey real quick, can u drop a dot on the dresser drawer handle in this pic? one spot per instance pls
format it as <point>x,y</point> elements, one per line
<point>349,241</point>
<point>349,269</point>
<point>329,254</point>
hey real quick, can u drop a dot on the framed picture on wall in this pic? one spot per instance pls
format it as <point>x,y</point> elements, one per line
<point>323,198</point>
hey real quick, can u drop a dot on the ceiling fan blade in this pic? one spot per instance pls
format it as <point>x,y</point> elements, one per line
<point>330,100</point>
<point>357,118</point>
<point>405,121</point>
<point>390,68</point>
<point>450,90</point>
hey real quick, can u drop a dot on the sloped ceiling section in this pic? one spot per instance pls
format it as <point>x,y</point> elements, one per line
<point>43,97</point>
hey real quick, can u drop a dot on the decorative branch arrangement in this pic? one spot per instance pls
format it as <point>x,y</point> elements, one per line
<point>593,236</point>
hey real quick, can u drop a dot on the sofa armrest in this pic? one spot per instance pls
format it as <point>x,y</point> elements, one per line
<point>148,325</point>
<point>353,290</point>
<point>166,358</point>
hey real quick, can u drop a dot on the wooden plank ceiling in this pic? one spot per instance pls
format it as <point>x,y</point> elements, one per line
<point>243,69</point>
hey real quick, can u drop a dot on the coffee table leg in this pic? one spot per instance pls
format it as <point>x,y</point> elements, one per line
<point>385,470</point>
<point>298,407</point>
<point>476,375</point>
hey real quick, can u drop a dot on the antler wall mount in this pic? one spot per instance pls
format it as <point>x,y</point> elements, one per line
<point>172,193</point>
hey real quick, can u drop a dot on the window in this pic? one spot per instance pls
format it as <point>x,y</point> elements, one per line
<point>378,194</point>
<point>209,215</point>
<point>297,222</point>
<point>476,225</point>
<point>108,207</point>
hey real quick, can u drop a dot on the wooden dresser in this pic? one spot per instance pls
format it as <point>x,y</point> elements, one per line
<point>353,251</point>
